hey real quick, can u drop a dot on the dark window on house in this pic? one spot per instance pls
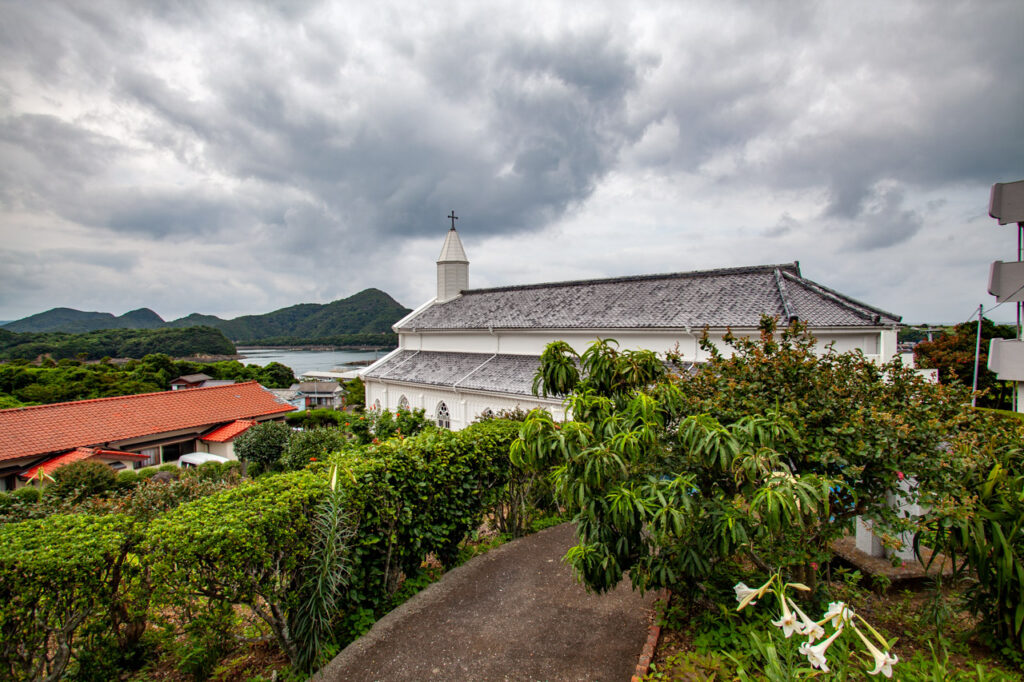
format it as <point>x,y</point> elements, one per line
<point>175,450</point>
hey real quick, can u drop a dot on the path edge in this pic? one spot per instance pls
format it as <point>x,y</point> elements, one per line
<point>653,634</point>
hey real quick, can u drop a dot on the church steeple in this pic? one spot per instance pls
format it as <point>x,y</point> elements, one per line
<point>452,266</point>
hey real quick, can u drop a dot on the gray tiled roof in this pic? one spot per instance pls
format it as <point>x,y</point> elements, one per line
<point>319,387</point>
<point>734,297</point>
<point>471,371</point>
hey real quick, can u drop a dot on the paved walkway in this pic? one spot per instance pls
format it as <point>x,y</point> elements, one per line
<point>514,613</point>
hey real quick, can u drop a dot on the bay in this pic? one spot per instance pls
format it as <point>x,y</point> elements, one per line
<point>302,361</point>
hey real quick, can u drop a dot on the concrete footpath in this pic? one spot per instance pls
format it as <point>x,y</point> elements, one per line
<point>514,613</point>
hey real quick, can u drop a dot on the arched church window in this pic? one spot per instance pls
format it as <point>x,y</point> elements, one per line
<point>444,418</point>
<point>403,403</point>
<point>376,404</point>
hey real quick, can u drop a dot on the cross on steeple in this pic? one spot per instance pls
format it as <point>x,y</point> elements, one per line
<point>454,218</point>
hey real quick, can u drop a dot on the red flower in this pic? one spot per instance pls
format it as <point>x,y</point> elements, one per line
<point>376,442</point>
<point>899,475</point>
<point>312,459</point>
<point>814,565</point>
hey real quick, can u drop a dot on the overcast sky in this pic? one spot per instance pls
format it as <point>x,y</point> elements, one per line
<point>234,158</point>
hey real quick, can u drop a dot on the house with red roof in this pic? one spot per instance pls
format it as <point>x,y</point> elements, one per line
<point>131,430</point>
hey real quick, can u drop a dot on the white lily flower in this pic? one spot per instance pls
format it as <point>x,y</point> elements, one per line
<point>807,626</point>
<point>744,595</point>
<point>883,660</point>
<point>838,612</point>
<point>816,654</point>
<point>787,622</point>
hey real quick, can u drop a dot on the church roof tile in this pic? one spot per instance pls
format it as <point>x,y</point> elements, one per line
<point>470,371</point>
<point>732,297</point>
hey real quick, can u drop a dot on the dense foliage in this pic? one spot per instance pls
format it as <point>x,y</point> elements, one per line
<point>373,426</point>
<point>243,546</point>
<point>117,343</point>
<point>56,574</point>
<point>768,454</point>
<point>80,480</point>
<point>25,384</point>
<point>952,353</point>
<point>986,528</point>
<point>263,445</point>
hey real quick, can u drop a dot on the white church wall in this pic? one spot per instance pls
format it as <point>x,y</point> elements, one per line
<point>878,345</point>
<point>463,407</point>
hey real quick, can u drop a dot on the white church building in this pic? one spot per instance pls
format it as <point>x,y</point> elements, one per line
<point>469,351</point>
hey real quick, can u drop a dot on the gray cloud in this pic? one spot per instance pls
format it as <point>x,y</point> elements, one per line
<point>304,135</point>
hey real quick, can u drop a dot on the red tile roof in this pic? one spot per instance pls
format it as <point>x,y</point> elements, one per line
<point>77,455</point>
<point>229,431</point>
<point>27,431</point>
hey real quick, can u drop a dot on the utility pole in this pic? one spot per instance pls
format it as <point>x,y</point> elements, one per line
<point>977,355</point>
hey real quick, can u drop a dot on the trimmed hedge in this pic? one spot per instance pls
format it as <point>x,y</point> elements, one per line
<point>269,545</point>
<point>56,575</point>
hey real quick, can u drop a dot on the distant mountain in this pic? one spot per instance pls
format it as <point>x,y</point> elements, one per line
<point>77,322</point>
<point>369,312</point>
<point>143,318</point>
<point>196,320</point>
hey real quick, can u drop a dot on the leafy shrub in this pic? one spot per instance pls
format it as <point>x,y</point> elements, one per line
<point>314,419</point>
<point>215,471</point>
<point>27,494</point>
<point>379,425</point>
<point>310,446</point>
<point>80,480</point>
<point>246,545</point>
<point>57,574</point>
<point>769,453</point>
<point>263,445</point>
<point>128,479</point>
<point>986,528</point>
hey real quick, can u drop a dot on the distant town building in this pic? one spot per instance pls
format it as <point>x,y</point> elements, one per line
<point>321,394</point>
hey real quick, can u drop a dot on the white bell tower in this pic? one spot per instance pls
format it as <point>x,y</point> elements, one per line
<point>452,266</point>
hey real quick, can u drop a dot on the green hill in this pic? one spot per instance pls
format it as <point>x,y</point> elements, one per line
<point>364,319</point>
<point>77,322</point>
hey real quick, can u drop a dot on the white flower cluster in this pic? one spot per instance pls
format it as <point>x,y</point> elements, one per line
<point>839,616</point>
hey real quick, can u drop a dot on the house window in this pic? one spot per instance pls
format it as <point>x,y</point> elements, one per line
<point>152,454</point>
<point>403,403</point>
<point>444,418</point>
<point>488,413</point>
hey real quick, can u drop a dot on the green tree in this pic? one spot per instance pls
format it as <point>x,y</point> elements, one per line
<point>769,453</point>
<point>313,445</point>
<point>953,355</point>
<point>263,445</point>
<point>276,375</point>
<point>355,394</point>
<point>80,480</point>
